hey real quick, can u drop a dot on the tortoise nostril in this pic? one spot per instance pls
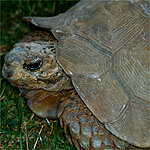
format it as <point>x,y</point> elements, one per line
<point>7,73</point>
<point>7,64</point>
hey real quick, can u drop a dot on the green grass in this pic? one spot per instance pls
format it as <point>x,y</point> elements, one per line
<point>20,128</point>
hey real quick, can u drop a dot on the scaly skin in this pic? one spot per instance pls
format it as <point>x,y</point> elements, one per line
<point>84,130</point>
<point>59,100</point>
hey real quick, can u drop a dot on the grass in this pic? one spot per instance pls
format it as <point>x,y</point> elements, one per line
<point>20,128</point>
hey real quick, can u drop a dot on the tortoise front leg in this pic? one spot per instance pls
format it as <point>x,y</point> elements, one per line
<point>84,130</point>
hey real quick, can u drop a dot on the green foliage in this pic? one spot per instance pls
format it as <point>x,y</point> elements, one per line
<point>20,128</point>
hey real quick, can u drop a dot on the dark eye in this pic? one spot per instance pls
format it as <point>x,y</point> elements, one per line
<point>33,65</point>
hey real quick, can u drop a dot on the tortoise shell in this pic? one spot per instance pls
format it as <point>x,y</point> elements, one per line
<point>105,48</point>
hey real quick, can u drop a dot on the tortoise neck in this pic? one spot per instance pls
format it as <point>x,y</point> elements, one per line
<point>45,104</point>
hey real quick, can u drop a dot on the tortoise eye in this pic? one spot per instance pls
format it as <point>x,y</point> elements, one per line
<point>33,65</point>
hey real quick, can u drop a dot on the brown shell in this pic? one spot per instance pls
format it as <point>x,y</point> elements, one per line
<point>104,48</point>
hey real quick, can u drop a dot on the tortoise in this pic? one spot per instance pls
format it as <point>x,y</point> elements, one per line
<point>89,68</point>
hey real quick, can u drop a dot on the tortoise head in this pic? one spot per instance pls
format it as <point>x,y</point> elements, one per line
<point>33,65</point>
